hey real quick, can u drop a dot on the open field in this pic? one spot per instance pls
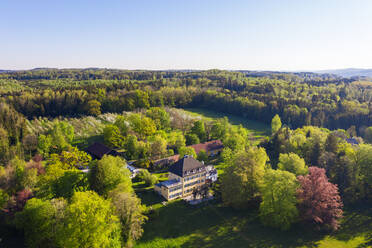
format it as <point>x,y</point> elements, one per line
<point>258,130</point>
<point>212,225</point>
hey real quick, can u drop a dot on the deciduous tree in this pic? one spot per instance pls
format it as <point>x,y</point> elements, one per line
<point>107,173</point>
<point>293,163</point>
<point>160,117</point>
<point>241,181</point>
<point>319,200</point>
<point>192,139</point>
<point>187,151</point>
<point>147,177</point>
<point>202,156</point>
<point>199,129</point>
<point>130,212</point>
<point>278,207</point>
<point>276,124</point>
<point>94,107</point>
<point>112,136</point>
<point>89,223</point>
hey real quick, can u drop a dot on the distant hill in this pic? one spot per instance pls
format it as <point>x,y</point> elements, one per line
<point>349,72</point>
<point>5,71</point>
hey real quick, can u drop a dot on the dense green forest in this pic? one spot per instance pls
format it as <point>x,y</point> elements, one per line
<point>300,99</point>
<point>315,163</point>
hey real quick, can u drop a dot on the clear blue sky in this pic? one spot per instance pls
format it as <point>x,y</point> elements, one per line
<point>186,34</point>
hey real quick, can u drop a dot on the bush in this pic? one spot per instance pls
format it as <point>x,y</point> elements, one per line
<point>150,179</point>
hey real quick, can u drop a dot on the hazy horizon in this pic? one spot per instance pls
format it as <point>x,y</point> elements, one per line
<point>185,69</point>
<point>187,35</point>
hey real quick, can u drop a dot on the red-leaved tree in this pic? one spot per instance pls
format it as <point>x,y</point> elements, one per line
<point>17,202</point>
<point>32,164</point>
<point>320,201</point>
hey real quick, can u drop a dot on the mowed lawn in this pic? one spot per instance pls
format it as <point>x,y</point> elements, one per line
<point>258,129</point>
<point>212,225</point>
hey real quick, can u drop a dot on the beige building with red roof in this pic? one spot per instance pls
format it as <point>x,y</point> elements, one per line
<point>212,147</point>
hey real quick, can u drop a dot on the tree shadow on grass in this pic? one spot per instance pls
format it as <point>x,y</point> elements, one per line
<point>9,236</point>
<point>212,225</point>
<point>148,196</point>
<point>245,230</point>
<point>216,226</point>
<point>356,222</point>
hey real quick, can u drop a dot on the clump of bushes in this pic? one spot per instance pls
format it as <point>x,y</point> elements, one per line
<point>148,178</point>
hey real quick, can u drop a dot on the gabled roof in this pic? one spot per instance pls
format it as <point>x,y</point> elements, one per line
<point>98,150</point>
<point>186,166</point>
<point>167,160</point>
<point>208,146</point>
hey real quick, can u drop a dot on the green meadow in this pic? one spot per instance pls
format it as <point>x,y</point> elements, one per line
<point>178,224</point>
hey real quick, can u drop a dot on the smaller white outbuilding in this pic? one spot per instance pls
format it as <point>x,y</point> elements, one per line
<point>133,170</point>
<point>212,173</point>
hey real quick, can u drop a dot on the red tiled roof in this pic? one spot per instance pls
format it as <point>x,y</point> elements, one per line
<point>208,146</point>
<point>170,159</point>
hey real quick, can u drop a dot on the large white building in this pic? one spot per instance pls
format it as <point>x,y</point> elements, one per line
<point>186,175</point>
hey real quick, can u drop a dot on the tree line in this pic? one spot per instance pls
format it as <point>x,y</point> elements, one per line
<point>299,98</point>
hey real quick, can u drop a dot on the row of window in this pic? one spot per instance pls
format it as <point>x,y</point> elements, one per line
<point>188,190</point>
<point>195,176</point>
<point>193,183</point>
<point>175,188</point>
<point>175,195</point>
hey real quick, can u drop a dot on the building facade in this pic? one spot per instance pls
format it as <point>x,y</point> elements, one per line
<point>186,175</point>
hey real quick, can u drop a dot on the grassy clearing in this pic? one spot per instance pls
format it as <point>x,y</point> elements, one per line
<point>258,130</point>
<point>212,225</point>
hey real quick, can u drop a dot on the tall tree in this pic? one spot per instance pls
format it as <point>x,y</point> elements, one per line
<point>4,145</point>
<point>202,156</point>
<point>368,134</point>
<point>241,181</point>
<point>276,124</point>
<point>112,136</point>
<point>192,139</point>
<point>142,125</point>
<point>158,147</point>
<point>199,129</point>
<point>40,221</point>
<point>331,143</point>
<point>131,146</point>
<point>363,160</point>
<point>89,222</point>
<point>160,117</point>
<point>122,124</point>
<point>94,107</point>
<point>278,206</point>
<point>187,151</point>
<point>293,163</point>
<point>107,173</point>
<point>130,212</point>
<point>320,202</point>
